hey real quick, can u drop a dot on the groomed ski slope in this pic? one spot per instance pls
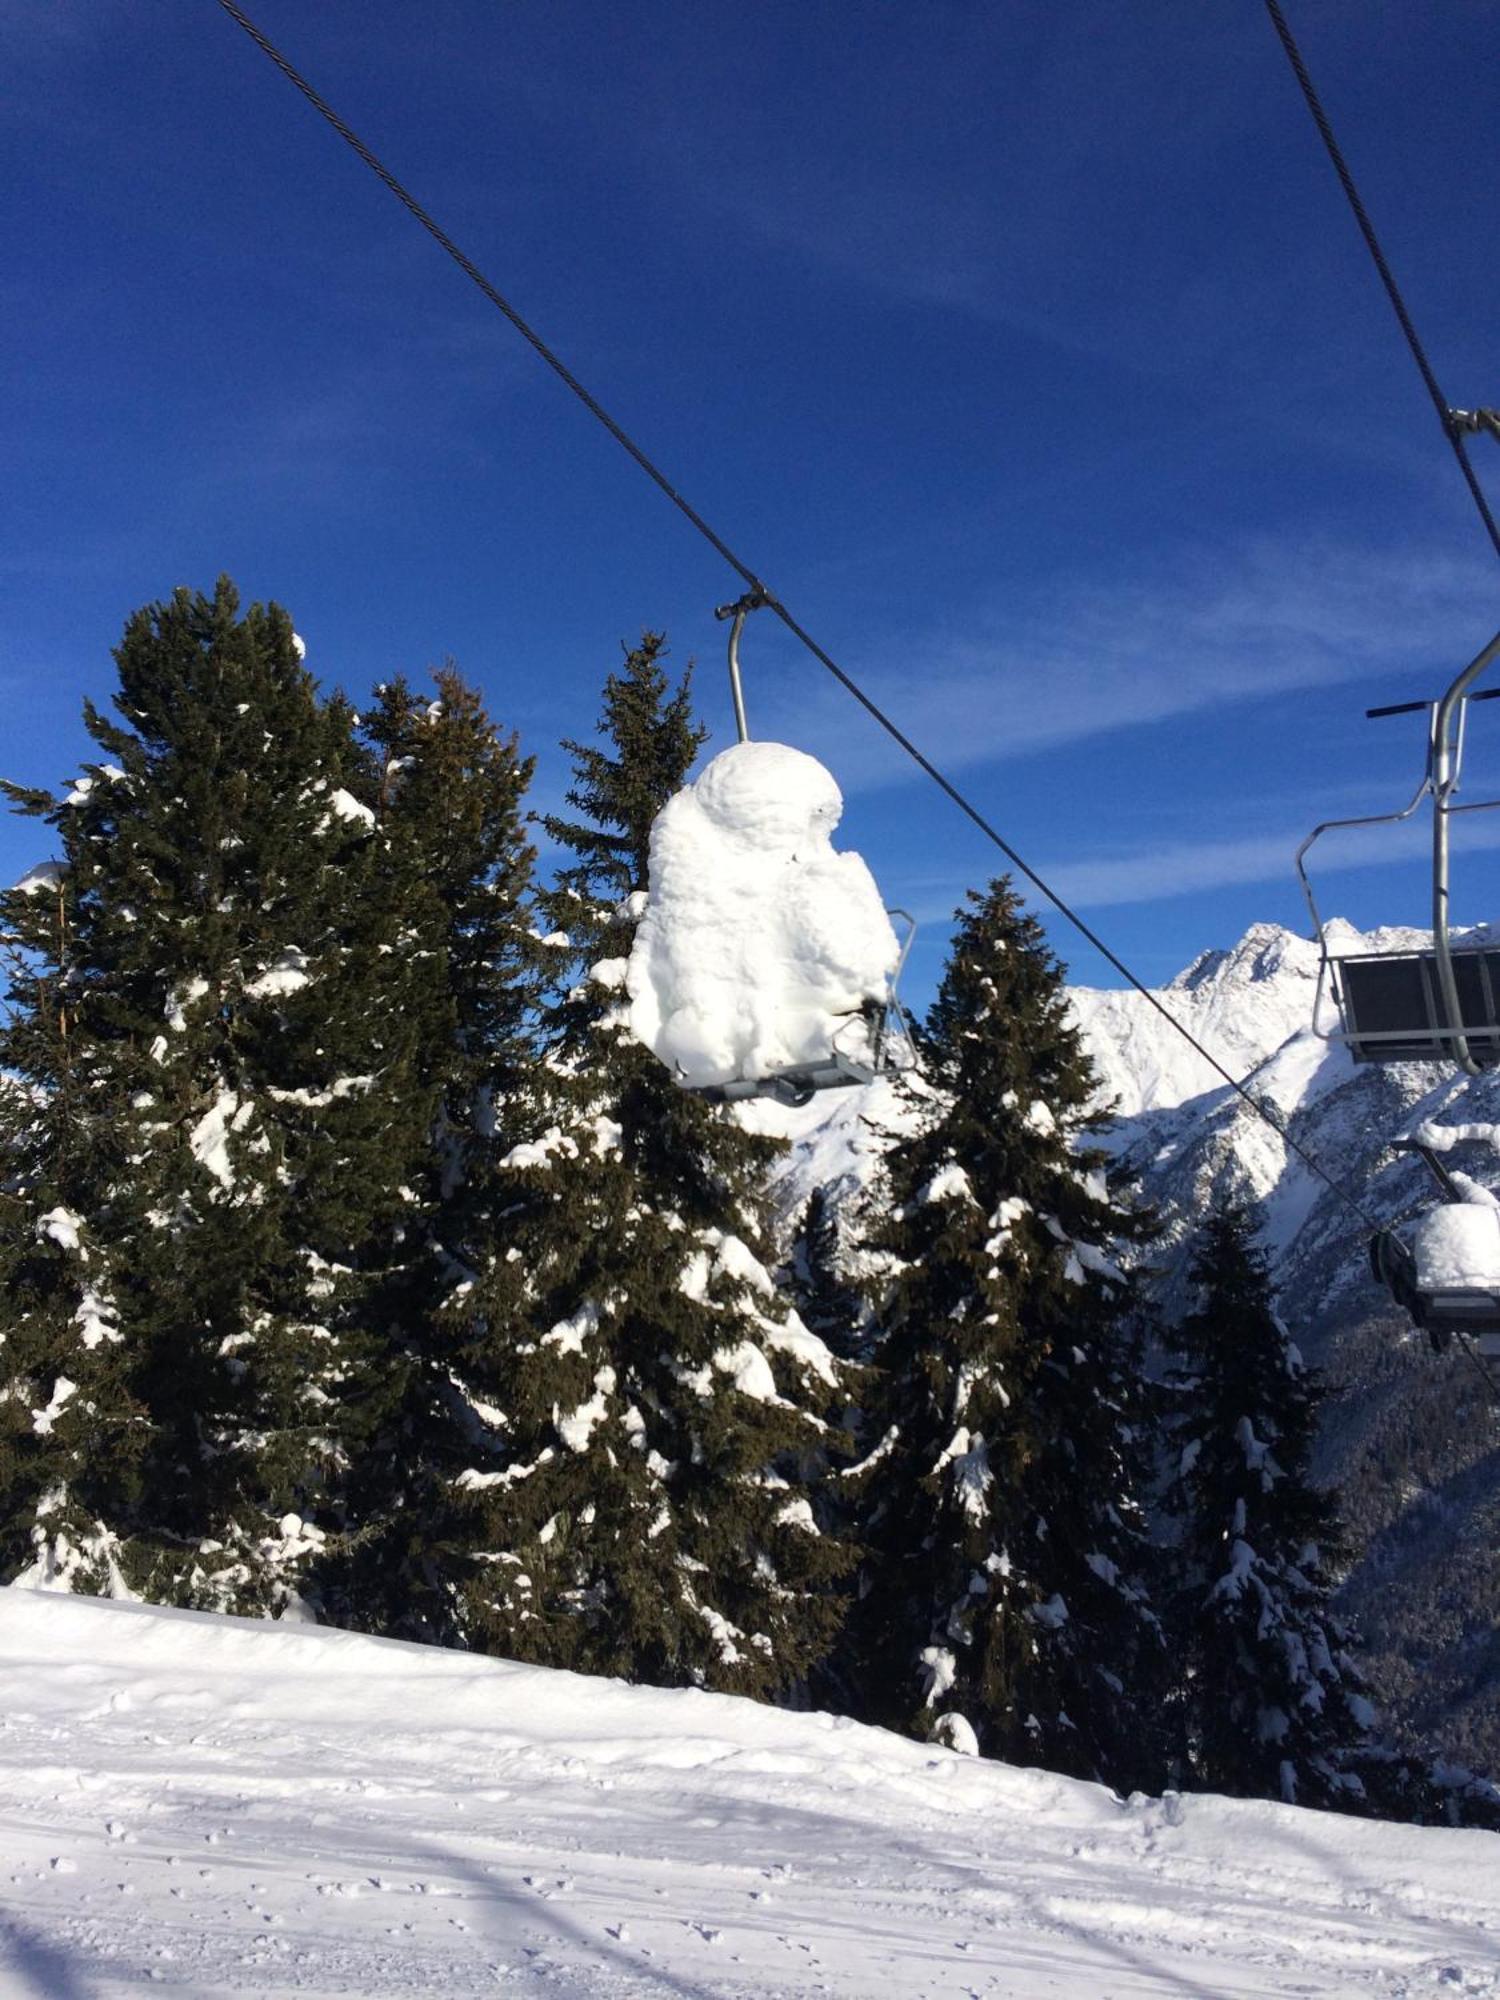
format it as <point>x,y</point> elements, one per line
<point>214,1806</point>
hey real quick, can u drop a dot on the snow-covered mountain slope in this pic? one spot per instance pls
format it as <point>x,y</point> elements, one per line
<point>1241,1004</point>
<point>835,1143</point>
<point>1412,1438</point>
<point>1186,1132</point>
<point>218,1807</point>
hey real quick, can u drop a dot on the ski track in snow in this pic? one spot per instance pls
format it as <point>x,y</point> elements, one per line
<point>218,1807</point>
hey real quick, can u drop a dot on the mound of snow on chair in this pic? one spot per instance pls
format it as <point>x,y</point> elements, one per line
<point>762,948</point>
<point>1457,1248</point>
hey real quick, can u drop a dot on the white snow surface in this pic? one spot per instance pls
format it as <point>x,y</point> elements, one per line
<point>217,1807</point>
<point>1457,1246</point>
<point>286,974</point>
<point>61,1226</point>
<point>346,806</point>
<point>209,1139</point>
<point>760,942</point>
<point>45,875</point>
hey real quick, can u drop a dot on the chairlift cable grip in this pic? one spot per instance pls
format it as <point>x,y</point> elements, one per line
<point>1451,420</point>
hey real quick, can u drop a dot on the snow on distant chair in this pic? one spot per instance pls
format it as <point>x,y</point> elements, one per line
<point>1440,1003</point>
<point>1447,1274</point>
<point>765,964</point>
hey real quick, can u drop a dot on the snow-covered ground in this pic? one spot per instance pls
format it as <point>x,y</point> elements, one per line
<point>221,1807</point>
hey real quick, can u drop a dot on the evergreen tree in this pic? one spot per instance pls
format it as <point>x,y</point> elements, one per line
<point>1002,1604</point>
<point>71,1433</point>
<point>1274,1704</point>
<point>217,1041</point>
<point>827,1299</point>
<point>449,794</point>
<point>645,1409</point>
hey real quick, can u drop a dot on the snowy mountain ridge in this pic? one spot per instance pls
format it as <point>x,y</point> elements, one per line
<point>1242,1004</point>
<point>1174,1120</point>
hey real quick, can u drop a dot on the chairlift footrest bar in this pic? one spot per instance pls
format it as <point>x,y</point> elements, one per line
<point>796,1084</point>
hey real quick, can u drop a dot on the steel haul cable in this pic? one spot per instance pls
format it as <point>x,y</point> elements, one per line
<point>1455,423</point>
<point>742,569</point>
<point>1450,419</point>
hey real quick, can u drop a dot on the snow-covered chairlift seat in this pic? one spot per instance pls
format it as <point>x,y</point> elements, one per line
<point>765,963</point>
<point>1448,1277</point>
<point>888,1047</point>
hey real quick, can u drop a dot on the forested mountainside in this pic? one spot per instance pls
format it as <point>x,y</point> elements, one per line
<point>1411,1438</point>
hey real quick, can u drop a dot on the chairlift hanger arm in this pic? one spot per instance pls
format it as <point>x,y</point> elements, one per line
<point>1446,762</point>
<point>1472,422</point>
<point>1436,1166</point>
<point>1429,708</point>
<point>738,612</point>
<point>1445,745</point>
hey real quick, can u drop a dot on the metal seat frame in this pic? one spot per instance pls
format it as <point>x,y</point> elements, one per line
<point>1451,1002</point>
<point>799,1083</point>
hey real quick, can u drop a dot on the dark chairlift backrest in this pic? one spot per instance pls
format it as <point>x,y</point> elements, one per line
<point>1393,1011</point>
<point>1437,1003</point>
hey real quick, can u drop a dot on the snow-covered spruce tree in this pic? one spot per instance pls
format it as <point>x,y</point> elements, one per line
<point>1274,1704</point>
<point>71,1432</point>
<point>449,794</point>
<point>829,1303</point>
<point>645,1408</point>
<point>1002,1601</point>
<point>229,1120</point>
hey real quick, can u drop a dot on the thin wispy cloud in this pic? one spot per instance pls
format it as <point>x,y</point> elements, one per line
<point>1037,242</point>
<point>1187,868</point>
<point>1100,660</point>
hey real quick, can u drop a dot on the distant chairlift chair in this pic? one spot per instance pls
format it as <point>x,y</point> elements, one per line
<point>1440,1305</point>
<point>1439,1004</point>
<point>885,1037</point>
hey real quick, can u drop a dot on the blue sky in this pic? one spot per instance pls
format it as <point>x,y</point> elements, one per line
<point>1026,349</point>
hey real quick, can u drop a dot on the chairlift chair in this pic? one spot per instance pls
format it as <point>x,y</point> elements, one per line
<point>1433,1004</point>
<point>885,1039</point>
<point>1444,1309</point>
